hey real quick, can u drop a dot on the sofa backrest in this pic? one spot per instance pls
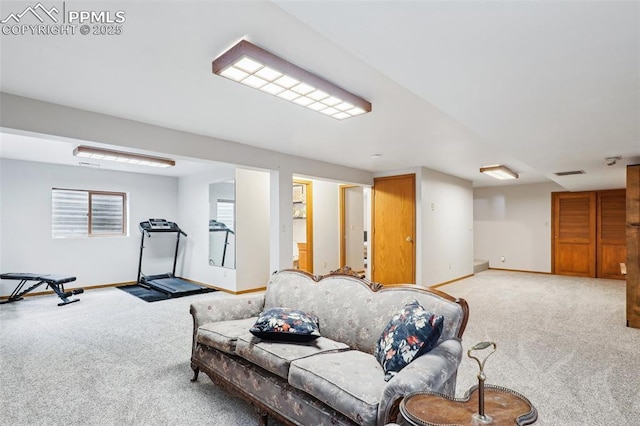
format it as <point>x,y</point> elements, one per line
<point>354,311</point>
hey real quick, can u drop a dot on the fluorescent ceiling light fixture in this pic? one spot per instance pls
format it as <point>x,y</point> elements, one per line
<point>253,66</point>
<point>499,172</point>
<point>122,157</point>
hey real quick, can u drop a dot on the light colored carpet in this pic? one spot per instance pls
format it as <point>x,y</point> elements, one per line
<point>112,359</point>
<point>562,342</point>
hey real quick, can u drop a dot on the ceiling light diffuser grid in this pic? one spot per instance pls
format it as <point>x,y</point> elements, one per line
<point>253,66</point>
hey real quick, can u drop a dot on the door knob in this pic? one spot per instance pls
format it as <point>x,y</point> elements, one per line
<point>409,239</point>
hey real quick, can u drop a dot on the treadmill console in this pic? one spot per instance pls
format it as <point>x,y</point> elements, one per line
<point>159,225</point>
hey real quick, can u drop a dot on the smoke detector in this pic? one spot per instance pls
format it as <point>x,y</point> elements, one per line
<point>612,160</point>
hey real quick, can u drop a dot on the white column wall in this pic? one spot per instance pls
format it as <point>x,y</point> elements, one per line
<point>326,226</point>
<point>253,211</point>
<point>281,222</point>
<point>447,227</point>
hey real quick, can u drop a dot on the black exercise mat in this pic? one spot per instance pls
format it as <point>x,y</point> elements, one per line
<point>151,295</point>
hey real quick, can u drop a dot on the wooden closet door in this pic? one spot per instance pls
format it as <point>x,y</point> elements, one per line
<point>574,226</point>
<point>611,238</point>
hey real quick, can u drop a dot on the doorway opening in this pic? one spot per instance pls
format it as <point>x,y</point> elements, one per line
<point>303,225</point>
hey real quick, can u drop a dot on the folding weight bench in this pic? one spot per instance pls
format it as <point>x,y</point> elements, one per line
<point>56,282</point>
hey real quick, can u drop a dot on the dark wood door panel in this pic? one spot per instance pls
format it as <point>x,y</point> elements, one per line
<point>574,228</point>
<point>610,258</point>
<point>575,219</point>
<point>633,246</point>
<point>575,259</point>
<point>611,238</point>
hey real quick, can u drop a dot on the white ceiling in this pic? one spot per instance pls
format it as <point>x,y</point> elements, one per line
<point>542,87</point>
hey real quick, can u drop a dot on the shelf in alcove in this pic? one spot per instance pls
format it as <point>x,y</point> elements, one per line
<point>299,217</point>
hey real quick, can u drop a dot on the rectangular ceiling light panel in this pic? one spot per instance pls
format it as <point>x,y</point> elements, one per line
<point>122,157</point>
<point>253,66</point>
<point>499,172</point>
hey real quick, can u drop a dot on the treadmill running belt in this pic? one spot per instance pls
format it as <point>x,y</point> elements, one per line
<point>175,286</point>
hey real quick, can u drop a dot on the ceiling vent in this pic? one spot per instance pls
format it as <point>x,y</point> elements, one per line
<point>570,173</point>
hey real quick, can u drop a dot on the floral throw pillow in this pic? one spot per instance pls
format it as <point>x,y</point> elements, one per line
<point>410,333</point>
<point>287,325</point>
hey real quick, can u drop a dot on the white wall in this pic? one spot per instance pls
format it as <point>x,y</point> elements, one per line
<point>193,200</point>
<point>253,209</point>
<point>25,229</point>
<point>514,222</point>
<point>281,246</point>
<point>326,226</point>
<point>447,227</point>
<point>354,227</point>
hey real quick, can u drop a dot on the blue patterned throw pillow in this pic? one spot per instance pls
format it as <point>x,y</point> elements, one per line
<point>410,333</point>
<point>287,325</point>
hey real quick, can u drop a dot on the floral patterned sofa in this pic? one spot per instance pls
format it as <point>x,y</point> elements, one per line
<point>334,379</point>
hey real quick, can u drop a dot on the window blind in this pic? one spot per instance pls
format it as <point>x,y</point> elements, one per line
<point>107,212</point>
<point>81,213</point>
<point>70,213</point>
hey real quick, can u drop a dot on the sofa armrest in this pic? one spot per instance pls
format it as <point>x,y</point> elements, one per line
<point>435,371</point>
<point>225,308</point>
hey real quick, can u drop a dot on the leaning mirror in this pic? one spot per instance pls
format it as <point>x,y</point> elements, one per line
<point>222,213</point>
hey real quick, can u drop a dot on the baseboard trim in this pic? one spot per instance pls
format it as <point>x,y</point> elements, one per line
<point>521,270</point>
<point>225,290</point>
<point>252,290</point>
<point>450,282</point>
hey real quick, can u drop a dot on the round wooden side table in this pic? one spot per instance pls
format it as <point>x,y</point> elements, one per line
<point>502,406</point>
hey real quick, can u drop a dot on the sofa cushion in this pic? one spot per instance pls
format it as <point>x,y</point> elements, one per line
<point>276,357</point>
<point>351,382</point>
<point>288,325</point>
<point>222,335</point>
<point>410,333</point>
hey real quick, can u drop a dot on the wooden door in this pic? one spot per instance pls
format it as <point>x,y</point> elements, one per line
<point>633,246</point>
<point>611,247</point>
<point>393,220</point>
<point>574,229</point>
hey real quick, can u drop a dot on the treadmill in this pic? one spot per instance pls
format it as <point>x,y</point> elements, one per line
<point>166,283</point>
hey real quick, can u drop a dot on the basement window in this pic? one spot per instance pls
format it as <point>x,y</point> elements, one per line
<point>79,213</point>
